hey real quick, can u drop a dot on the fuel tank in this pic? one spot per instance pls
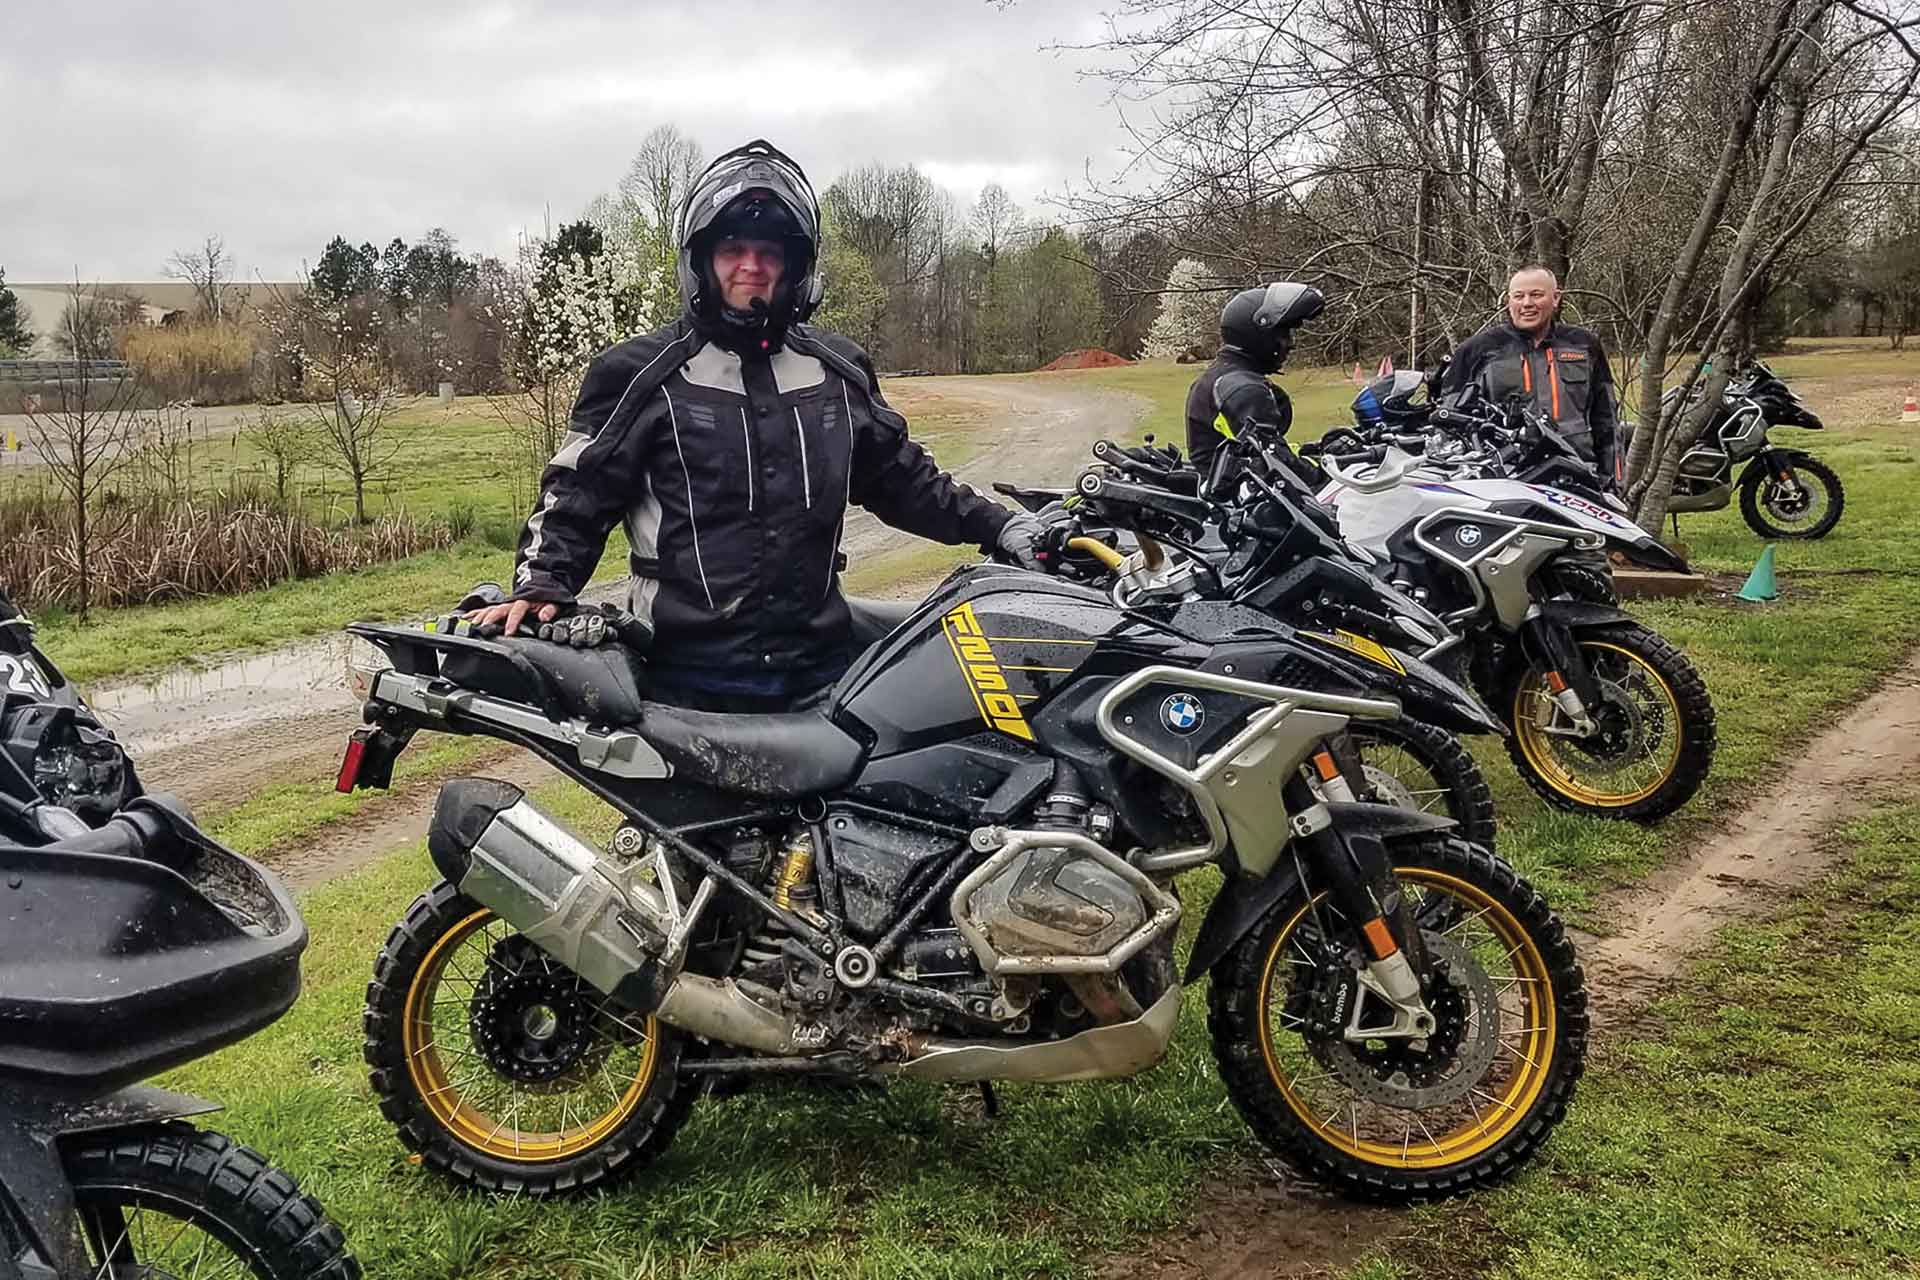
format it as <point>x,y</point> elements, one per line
<point>980,656</point>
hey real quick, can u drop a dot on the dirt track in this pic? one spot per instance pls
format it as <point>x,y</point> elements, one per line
<point>1268,1224</point>
<point>218,735</point>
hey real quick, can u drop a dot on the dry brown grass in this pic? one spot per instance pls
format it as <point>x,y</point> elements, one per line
<point>211,362</point>
<point>150,549</point>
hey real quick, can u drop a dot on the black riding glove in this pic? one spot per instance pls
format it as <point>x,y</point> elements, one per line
<point>589,626</point>
<point>1020,541</point>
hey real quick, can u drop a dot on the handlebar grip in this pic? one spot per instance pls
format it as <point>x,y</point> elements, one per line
<point>145,827</point>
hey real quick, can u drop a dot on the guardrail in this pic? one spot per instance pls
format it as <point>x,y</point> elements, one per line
<point>63,370</point>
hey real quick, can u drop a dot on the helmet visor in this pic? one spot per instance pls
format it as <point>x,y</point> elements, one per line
<point>754,167</point>
<point>1287,304</point>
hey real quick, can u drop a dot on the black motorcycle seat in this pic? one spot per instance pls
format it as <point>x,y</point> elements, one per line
<point>874,620</point>
<point>600,685</point>
<point>781,756</point>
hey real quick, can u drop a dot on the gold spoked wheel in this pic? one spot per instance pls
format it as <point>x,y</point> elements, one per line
<point>504,1069</point>
<point>517,1056</point>
<point>1654,734</point>
<point>1414,1107</point>
<point>1394,1118</point>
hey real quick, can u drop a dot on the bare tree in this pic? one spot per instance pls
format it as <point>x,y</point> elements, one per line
<point>347,381</point>
<point>209,269</point>
<point>284,443</point>
<point>84,438</point>
<point>1862,67</point>
<point>660,175</point>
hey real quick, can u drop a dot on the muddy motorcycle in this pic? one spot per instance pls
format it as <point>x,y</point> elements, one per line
<point>1606,716</point>
<point>1784,492</point>
<point>62,773</point>
<point>960,869</point>
<point>1137,528</point>
<point>130,943</point>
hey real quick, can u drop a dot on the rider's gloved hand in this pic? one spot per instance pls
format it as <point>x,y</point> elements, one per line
<point>589,626</point>
<point>1021,540</point>
<point>582,629</point>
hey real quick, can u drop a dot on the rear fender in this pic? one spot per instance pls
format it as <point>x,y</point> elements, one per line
<point>1243,900</point>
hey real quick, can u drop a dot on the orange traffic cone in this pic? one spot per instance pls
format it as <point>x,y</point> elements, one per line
<point>1910,411</point>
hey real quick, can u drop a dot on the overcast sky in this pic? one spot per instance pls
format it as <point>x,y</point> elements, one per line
<point>136,127</point>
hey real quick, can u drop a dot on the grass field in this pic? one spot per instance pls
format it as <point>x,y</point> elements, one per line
<point>1757,1122</point>
<point>1659,1156</point>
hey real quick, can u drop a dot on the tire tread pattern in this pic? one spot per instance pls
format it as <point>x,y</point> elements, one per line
<point>288,1234</point>
<point>628,1149</point>
<point>1236,1022</point>
<point>1699,733</point>
<point>1757,521</point>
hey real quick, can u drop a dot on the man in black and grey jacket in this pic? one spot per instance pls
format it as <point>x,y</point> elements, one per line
<point>730,443</point>
<point>1562,369</point>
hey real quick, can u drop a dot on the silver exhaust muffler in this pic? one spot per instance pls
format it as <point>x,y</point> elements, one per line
<point>596,915</point>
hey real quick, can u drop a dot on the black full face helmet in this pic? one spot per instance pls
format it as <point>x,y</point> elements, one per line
<point>752,192</point>
<point>1259,323</point>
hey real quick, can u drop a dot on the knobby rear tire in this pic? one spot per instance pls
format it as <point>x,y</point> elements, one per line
<point>423,1126</point>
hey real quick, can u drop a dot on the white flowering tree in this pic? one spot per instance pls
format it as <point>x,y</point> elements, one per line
<point>568,299</point>
<point>1189,320</point>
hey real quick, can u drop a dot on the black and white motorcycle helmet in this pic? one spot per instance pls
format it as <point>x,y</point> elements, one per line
<point>752,191</point>
<point>1259,323</point>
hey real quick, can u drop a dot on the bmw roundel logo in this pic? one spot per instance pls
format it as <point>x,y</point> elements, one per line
<point>1182,713</point>
<point>1468,535</point>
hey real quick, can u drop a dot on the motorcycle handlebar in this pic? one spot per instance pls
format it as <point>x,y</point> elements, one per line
<point>144,827</point>
<point>1112,492</point>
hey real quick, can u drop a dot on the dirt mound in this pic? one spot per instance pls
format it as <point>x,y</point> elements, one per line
<point>1085,358</point>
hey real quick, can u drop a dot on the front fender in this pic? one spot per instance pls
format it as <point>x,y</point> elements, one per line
<point>1243,900</point>
<point>1575,614</point>
<point>35,1191</point>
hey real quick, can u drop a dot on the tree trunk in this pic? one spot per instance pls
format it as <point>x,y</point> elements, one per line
<point>1650,441</point>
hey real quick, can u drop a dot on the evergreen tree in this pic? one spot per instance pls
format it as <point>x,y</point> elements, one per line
<point>16,338</point>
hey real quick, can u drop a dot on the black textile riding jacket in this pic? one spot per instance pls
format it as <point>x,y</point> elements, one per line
<point>1565,373</point>
<point>1235,389</point>
<point>732,475</point>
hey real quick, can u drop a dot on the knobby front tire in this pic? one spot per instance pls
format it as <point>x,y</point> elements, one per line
<point>1294,1088</point>
<point>1665,745</point>
<point>173,1200</point>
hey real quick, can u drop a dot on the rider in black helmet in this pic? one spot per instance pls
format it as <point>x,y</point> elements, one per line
<point>730,444</point>
<point>1256,333</point>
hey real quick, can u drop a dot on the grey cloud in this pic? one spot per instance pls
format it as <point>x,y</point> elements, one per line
<point>148,125</point>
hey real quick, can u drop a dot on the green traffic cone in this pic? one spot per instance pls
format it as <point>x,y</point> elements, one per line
<point>1760,585</point>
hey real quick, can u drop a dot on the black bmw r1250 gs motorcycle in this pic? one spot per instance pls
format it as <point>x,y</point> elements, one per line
<point>130,943</point>
<point>962,870</point>
<point>1784,492</point>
